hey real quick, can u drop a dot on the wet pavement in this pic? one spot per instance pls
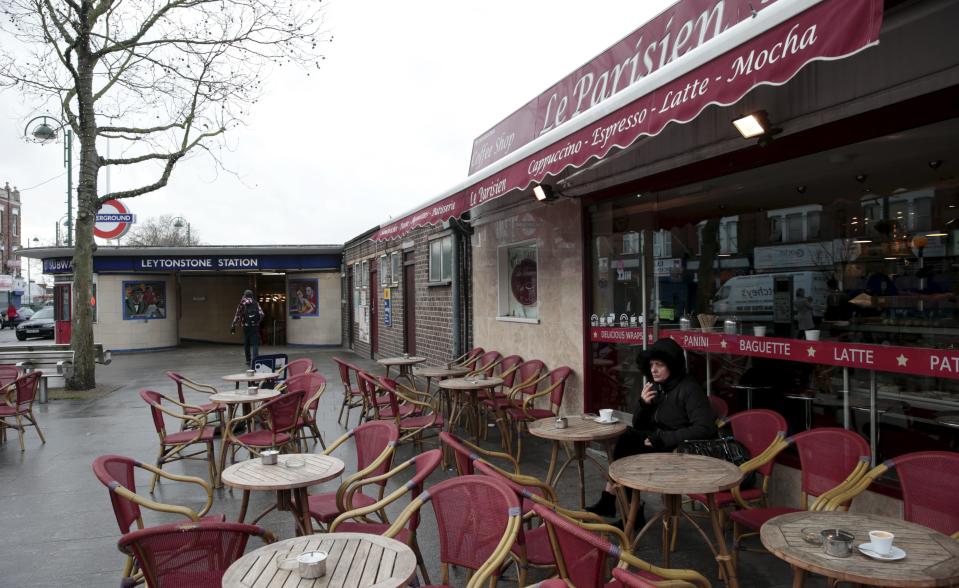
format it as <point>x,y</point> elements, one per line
<point>59,529</point>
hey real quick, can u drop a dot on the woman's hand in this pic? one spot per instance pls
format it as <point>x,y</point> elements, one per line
<point>649,393</point>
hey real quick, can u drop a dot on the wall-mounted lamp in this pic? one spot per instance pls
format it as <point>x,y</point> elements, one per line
<point>935,163</point>
<point>801,188</point>
<point>544,193</point>
<point>861,178</point>
<point>756,124</point>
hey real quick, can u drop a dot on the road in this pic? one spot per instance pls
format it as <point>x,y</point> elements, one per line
<point>8,338</point>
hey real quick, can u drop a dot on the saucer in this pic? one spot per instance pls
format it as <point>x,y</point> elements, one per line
<point>894,553</point>
<point>611,421</point>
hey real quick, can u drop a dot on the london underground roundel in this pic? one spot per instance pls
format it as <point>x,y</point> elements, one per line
<point>113,220</point>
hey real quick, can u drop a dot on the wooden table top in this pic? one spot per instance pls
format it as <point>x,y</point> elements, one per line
<point>354,559</point>
<point>441,372</point>
<point>675,473</point>
<point>932,559</point>
<point>412,360</point>
<point>253,475</point>
<point>240,396</point>
<point>470,383</point>
<point>257,377</point>
<point>578,428</point>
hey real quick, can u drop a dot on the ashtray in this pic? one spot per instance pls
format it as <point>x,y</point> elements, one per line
<point>294,461</point>
<point>811,535</point>
<point>269,456</point>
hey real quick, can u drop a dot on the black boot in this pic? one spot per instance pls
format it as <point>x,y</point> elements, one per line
<point>605,506</point>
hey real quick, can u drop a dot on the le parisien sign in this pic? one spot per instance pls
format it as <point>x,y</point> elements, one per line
<point>806,31</point>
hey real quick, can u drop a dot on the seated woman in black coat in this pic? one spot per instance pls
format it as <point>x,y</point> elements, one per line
<point>672,408</point>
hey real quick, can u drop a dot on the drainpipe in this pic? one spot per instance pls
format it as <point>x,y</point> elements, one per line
<point>455,286</point>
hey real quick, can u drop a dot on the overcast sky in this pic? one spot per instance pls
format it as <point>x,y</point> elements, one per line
<point>387,124</point>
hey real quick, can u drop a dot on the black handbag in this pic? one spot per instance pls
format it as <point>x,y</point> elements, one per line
<point>724,448</point>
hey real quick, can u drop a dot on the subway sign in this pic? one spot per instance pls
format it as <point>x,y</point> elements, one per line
<point>201,263</point>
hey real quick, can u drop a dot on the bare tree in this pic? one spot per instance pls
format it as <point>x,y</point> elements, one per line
<point>161,78</point>
<point>160,231</point>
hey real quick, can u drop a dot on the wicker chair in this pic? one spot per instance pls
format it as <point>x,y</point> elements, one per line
<point>375,445</point>
<point>212,410</point>
<point>352,396</point>
<point>477,538</point>
<point>832,460</point>
<point>581,554</point>
<point>18,405</point>
<point>173,445</point>
<point>189,555</point>
<point>117,474</point>
<point>522,410</point>
<point>356,521</point>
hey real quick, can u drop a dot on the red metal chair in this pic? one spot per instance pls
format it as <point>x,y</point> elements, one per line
<point>189,555</point>
<point>117,474</point>
<point>757,430</point>
<point>213,410</point>
<point>831,459</point>
<point>20,409</point>
<point>172,445</point>
<point>581,554</point>
<point>522,410</point>
<point>375,444</point>
<point>280,415</point>
<point>352,396</point>
<point>478,519</point>
<point>355,521</point>
<point>422,417</point>
<point>312,385</point>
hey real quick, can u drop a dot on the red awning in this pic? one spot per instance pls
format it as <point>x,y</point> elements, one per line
<point>767,49</point>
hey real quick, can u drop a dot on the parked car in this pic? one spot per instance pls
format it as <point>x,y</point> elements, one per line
<point>41,324</point>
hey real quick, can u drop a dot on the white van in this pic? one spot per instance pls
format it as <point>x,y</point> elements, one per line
<point>751,297</point>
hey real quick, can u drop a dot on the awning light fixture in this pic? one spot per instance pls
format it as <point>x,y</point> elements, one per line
<point>544,193</point>
<point>756,124</point>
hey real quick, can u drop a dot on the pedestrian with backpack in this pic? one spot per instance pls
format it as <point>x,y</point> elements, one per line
<point>248,315</point>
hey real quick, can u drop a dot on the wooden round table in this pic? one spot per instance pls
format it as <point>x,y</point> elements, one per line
<point>932,558</point>
<point>288,482</point>
<point>404,363</point>
<point>472,386</point>
<point>441,373</point>
<point>256,378</point>
<point>580,431</point>
<point>232,400</point>
<point>672,475</point>
<point>354,559</point>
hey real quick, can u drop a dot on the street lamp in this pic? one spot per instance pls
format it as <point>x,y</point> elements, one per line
<point>45,131</point>
<point>178,224</point>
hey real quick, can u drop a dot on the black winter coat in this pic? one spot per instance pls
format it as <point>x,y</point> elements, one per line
<point>681,410</point>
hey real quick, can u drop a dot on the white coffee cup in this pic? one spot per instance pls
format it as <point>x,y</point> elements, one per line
<point>812,335</point>
<point>881,541</point>
<point>606,414</point>
<point>759,330</point>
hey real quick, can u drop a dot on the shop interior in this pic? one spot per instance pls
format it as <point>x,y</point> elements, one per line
<point>866,235</point>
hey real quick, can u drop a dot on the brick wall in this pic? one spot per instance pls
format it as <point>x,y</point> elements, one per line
<point>434,305</point>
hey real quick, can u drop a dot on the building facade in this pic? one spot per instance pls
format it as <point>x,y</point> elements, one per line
<point>815,260</point>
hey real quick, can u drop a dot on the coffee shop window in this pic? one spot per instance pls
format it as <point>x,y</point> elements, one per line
<point>727,234</point>
<point>395,260</point>
<point>792,225</point>
<point>441,260</point>
<point>518,284</point>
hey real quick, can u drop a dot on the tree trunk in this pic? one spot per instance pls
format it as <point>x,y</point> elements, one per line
<point>81,340</point>
<point>705,284</point>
